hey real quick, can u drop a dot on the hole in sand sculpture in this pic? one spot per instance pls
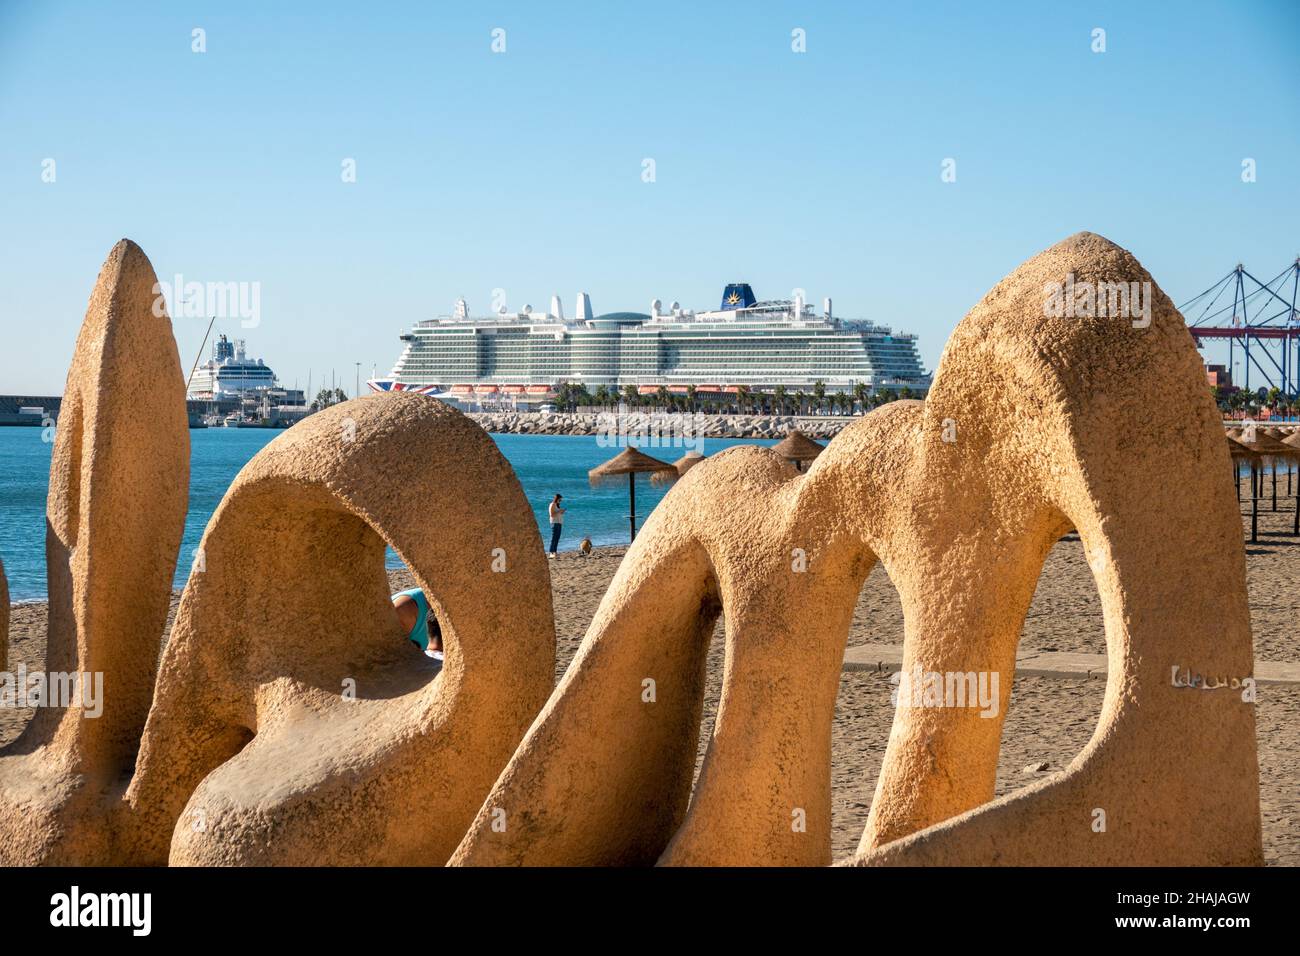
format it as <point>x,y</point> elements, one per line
<point>863,708</point>
<point>864,713</point>
<point>715,654</point>
<point>290,593</point>
<point>1051,719</point>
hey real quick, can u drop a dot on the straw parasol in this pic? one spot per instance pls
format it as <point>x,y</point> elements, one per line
<point>681,466</point>
<point>1262,446</point>
<point>628,462</point>
<point>1268,446</point>
<point>798,448</point>
<point>1239,450</point>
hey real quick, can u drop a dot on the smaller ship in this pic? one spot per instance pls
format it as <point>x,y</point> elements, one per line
<point>230,373</point>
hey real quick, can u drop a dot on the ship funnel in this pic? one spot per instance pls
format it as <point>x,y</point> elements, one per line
<point>798,305</point>
<point>557,309</point>
<point>826,306</point>
<point>655,308</point>
<point>584,307</point>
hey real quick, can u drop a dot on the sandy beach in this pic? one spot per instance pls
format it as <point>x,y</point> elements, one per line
<point>1049,720</point>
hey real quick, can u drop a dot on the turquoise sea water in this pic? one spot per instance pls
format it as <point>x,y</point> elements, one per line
<point>545,464</point>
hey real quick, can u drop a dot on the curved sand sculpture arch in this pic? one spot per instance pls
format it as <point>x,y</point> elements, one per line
<point>292,722</point>
<point>119,484</point>
<point>604,776</point>
<point>1163,539</point>
<point>1035,423</point>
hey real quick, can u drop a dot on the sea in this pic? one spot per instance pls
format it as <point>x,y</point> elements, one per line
<point>544,464</point>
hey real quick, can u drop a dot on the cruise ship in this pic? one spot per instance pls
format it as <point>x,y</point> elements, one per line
<point>523,356</point>
<point>230,373</point>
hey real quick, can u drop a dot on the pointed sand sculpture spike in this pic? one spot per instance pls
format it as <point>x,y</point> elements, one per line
<point>119,484</point>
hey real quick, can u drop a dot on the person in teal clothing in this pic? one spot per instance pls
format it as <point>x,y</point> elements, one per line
<point>421,627</point>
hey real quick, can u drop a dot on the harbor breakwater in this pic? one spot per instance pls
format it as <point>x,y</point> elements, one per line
<point>708,426</point>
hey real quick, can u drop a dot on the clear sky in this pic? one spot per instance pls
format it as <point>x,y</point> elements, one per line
<point>523,170</point>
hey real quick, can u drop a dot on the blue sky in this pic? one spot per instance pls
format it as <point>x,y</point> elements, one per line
<point>522,170</point>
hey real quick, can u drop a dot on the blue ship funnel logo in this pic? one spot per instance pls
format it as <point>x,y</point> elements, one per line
<point>737,295</point>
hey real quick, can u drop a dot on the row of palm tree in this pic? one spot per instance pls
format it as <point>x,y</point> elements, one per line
<point>327,397</point>
<point>1238,401</point>
<point>570,396</point>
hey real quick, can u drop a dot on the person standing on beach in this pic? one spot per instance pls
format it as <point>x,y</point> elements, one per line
<point>557,522</point>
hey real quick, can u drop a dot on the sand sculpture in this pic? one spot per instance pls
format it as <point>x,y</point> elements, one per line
<point>1036,422</point>
<point>293,723</point>
<point>119,483</point>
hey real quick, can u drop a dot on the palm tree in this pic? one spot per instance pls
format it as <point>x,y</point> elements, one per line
<point>778,398</point>
<point>860,395</point>
<point>630,394</point>
<point>661,396</point>
<point>602,395</point>
<point>819,390</point>
<point>1274,396</point>
<point>327,397</point>
<point>743,397</point>
<point>690,397</point>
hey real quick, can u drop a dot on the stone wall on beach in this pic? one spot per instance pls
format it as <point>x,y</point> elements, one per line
<point>710,426</point>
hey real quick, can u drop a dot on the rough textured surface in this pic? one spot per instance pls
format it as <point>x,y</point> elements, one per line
<point>1054,420</point>
<point>119,483</point>
<point>1047,721</point>
<point>293,723</point>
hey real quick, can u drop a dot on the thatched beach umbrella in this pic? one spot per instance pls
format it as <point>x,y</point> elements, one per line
<point>1265,447</point>
<point>1240,452</point>
<point>628,462</point>
<point>680,467</point>
<point>1270,447</point>
<point>798,448</point>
